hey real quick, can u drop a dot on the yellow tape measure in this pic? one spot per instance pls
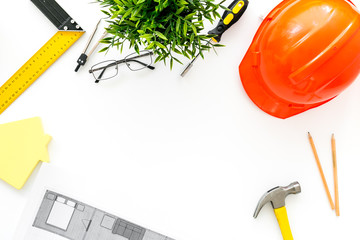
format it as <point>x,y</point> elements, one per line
<point>36,66</point>
<point>69,32</point>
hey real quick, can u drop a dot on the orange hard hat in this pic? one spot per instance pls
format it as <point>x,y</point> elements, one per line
<point>303,55</point>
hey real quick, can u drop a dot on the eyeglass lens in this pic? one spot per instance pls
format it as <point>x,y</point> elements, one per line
<point>107,70</point>
<point>137,62</point>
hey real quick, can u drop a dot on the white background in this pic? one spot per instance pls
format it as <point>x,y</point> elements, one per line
<point>187,157</point>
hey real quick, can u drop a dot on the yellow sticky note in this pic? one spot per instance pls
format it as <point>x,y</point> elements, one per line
<point>23,144</point>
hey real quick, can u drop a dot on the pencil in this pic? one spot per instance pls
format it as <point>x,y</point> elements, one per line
<point>333,149</point>
<point>321,171</point>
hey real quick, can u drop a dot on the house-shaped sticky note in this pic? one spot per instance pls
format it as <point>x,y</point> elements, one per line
<point>23,144</point>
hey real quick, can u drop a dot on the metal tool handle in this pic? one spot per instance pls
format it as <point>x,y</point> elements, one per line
<point>237,9</point>
<point>281,216</point>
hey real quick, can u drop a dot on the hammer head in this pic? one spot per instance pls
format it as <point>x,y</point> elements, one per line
<point>277,196</point>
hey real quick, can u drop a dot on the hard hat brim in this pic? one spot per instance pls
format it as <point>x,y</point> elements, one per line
<point>263,98</point>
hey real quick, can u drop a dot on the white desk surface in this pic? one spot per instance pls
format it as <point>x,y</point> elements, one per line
<point>187,157</point>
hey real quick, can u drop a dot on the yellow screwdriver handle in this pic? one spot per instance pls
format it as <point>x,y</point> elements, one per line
<point>281,216</point>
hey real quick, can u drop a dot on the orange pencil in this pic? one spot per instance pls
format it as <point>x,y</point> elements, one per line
<point>321,171</point>
<point>333,149</point>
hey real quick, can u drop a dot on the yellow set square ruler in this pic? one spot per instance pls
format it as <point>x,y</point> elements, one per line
<point>68,33</point>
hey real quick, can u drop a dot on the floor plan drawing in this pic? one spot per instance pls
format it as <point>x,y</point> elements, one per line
<point>75,220</point>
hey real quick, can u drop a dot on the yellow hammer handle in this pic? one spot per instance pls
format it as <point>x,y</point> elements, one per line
<point>281,216</point>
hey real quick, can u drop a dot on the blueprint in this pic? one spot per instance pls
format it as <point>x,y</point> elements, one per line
<point>75,220</point>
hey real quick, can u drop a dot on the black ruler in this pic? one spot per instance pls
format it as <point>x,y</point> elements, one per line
<point>57,15</point>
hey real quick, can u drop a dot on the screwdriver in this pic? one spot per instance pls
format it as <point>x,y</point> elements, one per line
<point>237,9</point>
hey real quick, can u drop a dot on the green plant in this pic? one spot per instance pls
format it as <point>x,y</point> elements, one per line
<point>167,27</point>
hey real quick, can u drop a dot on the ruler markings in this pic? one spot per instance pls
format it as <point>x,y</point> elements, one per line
<point>36,65</point>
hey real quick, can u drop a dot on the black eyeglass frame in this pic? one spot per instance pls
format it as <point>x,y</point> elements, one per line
<point>125,60</point>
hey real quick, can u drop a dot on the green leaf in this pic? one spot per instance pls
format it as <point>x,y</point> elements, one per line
<point>216,15</point>
<point>135,12</point>
<point>106,13</point>
<point>104,49</point>
<point>146,36</point>
<point>136,47</point>
<point>192,38</point>
<point>116,14</point>
<point>171,63</point>
<point>180,10</point>
<point>185,29</point>
<point>127,13</point>
<point>186,55</point>
<point>160,35</point>
<point>177,51</point>
<point>177,60</point>
<point>194,29</point>
<point>189,16</point>
<point>183,2</point>
<point>151,46</point>
<point>218,45</point>
<point>225,8</point>
<point>160,45</point>
<point>105,41</point>
<point>158,58</point>
<point>178,21</point>
<point>201,54</point>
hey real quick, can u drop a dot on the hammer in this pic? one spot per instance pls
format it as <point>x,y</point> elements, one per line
<point>277,197</point>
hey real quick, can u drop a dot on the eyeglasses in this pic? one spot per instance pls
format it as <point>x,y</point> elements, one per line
<point>109,69</point>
